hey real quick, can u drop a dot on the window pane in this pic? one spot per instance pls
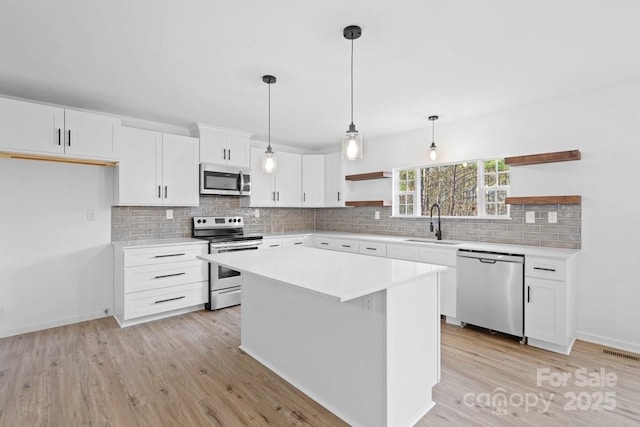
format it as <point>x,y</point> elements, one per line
<point>411,174</point>
<point>411,185</point>
<point>490,180</point>
<point>452,187</point>
<point>502,209</point>
<point>501,196</point>
<point>402,186</point>
<point>403,174</point>
<point>503,178</point>
<point>491,209</point>
<point>502,166</point>
<point>402,209</point>
<point>490,196</point>
<point>410,198</point>
<point>403,200</point>
<point>409,209</point>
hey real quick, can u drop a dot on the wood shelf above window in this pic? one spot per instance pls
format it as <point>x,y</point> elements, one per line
<point>366,176</point>
<point>363,203</point>
<point>544,200</point>
<point>534,159</point>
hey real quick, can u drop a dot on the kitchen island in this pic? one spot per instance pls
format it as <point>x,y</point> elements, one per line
<point>358,334</point>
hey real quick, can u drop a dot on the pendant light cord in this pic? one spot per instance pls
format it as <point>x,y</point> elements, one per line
<point>351,81</point>
<point>269,135</point>
<point>433,131</point>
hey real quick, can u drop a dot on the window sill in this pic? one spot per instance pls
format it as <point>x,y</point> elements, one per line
<point>506,218</point>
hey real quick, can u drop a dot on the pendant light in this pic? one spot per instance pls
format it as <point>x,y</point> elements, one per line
<point>269,160</point>
<point>352,140</point>
<point>432,147</point>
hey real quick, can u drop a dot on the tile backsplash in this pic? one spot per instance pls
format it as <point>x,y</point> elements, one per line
<point>144,223</point>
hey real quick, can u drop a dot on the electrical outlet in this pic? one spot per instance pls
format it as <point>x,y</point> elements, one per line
<point>377,215</point>
<point>552,217</point>
<point>91,215</point>
<point>256,213</point>
<point>530,217</point>
<point>369,303</point>
<point>169,213</point>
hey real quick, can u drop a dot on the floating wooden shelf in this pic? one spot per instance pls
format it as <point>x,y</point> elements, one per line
<point>363,203</point>
<point>533,159</point>
<point>544,200</point>
<point>370,175</point>
<point>56,159</point>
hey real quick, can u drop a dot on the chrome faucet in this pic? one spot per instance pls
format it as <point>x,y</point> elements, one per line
<point>439,230</point>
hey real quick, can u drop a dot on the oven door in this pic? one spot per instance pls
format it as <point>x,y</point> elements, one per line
<point>223,277</point>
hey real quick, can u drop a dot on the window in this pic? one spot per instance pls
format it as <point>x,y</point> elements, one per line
<point>466,189</point>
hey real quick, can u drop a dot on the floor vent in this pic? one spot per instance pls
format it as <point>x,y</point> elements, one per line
<point>623,355</point>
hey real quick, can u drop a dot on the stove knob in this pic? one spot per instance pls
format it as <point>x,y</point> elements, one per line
<point>229,220</point>
<point>204,220</point>
<point>198,221</point>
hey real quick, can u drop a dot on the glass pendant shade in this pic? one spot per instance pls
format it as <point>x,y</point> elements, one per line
<point>269,161</point>
<point>432,151</point>
<point>352,144</point>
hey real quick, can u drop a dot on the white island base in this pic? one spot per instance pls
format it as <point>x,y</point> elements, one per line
<point>371,365</point>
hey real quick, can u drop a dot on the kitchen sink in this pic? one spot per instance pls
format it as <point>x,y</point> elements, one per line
<point>437,242</point>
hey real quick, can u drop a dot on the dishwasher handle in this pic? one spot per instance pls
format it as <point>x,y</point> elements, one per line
<point>487,261</point>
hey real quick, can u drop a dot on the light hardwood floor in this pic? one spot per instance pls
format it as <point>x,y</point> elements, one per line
<point>188,371</point>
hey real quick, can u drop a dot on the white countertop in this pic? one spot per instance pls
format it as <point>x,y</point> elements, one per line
<point>340,275</point>
<point>480,246</point>
<point>134,244</point>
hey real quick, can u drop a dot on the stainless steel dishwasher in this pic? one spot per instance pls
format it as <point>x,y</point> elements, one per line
<point>490,290</point>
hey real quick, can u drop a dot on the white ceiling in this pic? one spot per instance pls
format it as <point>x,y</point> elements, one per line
<point>181,61</point>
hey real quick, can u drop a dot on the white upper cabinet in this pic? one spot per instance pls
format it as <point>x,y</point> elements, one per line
<point>45,130</point>
<point>223,146</point>
<point>157,169</point>
<point>313,180</point>
<point>282,188</point>
<point>333,180</point>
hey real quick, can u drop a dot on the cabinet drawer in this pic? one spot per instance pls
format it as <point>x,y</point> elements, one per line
<point>163,254</point>
<point>545,268</point>
<point>147,277</point>
<point>373,248</point>
<point>406,252</point>
<point>270,243</point>
<point>347,246</point>
<point>293,241</point>
<point>145,303</point>
<point>438,256</point>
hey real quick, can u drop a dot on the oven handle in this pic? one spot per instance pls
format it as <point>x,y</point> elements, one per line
<point>241,176</point>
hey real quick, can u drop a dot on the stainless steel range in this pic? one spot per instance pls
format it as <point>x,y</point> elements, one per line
<point>225,234</point>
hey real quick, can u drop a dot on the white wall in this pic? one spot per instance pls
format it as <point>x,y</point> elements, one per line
<point>55,264</point>
<point>605,126</point>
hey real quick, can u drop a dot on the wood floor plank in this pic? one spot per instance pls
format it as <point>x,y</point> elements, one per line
<point>189,371</point>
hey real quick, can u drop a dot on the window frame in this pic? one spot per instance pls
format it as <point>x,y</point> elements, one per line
<point>481,190</point>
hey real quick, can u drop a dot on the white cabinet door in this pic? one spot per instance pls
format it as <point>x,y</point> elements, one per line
<point>270,243</point>
<point>91,135</point>
<point>27,127</point>
<point>406,252</point>
<point>333,180</point>
<point>288,179</point>
<point>139,173</point>
<point>262,184</point>
<point>180,170</point>
<point>448,290</point>
<point>224,146</point>
<point>313,180</point>
<point>545,311</point>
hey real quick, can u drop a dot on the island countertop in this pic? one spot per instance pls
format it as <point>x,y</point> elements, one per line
<point>339,275</point>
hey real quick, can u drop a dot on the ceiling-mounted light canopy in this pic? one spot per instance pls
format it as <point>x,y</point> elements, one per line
<point>269,160</point>
<point>352,140</point>
<point>432,147</point>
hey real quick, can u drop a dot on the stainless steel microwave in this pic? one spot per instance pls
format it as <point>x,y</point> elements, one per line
<point>224,180</point>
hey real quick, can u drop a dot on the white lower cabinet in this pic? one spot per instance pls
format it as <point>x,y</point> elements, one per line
<point>278,242</point>
<point>151,282</point>
<point>336,244</point>
<point>448,278</point>
<point>549,309</point>
<point>373,248</point>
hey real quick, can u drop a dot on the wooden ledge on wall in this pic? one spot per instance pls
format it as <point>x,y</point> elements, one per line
<point>363,203</point>
<point>366,176</point>
<point>544,200</point>
<point>23,156</point>
<point>534,159</point>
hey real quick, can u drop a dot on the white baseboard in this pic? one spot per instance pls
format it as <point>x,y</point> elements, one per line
<point>609,342</point>
<point>54,324</point>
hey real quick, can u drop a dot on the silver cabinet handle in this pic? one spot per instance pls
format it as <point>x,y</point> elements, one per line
<point>304,197</point>
<point>324,243</point>
<point>69,140</point>
<point>528,293</point>
<point>165,191</point>
<point>169,299</point>
<point>277,196</point>
<point>159,192</point>
<point>297,243</point>
<point>229,154</point>
<point>164,256</point>
<point>346,246</point>
<point>338,196</point>
<point>169,275</point>
<point>545,269</point>
<point>274,245</point>
<point>273,195</point>
<point>59,140</point>
<point>371,249</point>
<point>224,154</point>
